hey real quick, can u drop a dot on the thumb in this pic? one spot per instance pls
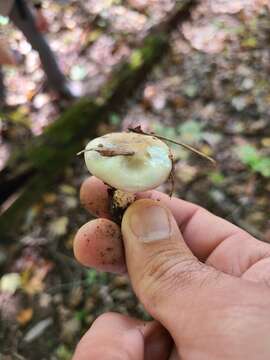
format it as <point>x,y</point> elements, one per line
<point>165,275</point>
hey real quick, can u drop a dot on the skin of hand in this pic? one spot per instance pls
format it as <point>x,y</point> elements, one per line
<point>204,281</point>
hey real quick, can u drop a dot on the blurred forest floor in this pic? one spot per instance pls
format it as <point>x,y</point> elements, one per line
<point>210,90</point>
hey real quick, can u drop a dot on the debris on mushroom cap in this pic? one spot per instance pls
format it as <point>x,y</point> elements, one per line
<point>129,161</point>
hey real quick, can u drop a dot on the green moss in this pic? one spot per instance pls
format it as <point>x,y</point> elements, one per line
<point>136,59</point>
<point>51,152</point>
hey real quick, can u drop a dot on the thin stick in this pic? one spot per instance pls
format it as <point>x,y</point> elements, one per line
<point>138,130</point>
<point>109,152</point>
<point>198,152</point>
<point>171,177</point>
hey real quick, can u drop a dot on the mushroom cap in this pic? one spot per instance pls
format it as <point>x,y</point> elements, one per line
<point>146,165</point>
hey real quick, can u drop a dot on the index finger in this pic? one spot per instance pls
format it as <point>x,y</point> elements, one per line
<point>204,233</point>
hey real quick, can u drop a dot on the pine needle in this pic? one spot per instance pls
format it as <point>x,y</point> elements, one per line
<point>139,130</point>
<point>188,147</point>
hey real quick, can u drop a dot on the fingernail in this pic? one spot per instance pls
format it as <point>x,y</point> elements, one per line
<point>150,223</point>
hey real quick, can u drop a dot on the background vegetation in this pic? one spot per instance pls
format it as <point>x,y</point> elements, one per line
<point>193,71</point>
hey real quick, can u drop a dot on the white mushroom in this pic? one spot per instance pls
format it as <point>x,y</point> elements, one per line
<point>129,161</point>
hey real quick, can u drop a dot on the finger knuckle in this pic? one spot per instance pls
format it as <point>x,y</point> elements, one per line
<point>167,272</point>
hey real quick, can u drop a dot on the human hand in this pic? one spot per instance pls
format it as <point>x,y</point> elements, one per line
<point>205,280</point>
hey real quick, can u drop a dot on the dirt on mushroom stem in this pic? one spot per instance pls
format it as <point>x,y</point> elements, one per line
<point>119,201</point>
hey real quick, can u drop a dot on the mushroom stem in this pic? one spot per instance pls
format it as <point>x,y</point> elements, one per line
<point>119,201</point>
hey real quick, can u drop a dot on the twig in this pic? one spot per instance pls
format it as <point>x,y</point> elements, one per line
<point>110,152</point>
<point>172,173</point>
<point>138,130</point>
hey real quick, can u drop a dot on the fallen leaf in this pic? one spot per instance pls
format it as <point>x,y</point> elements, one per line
<point>125,20</point>
<point>155,97</point>
<point>58,227</point>
<point>184,172</point>
<point>250,42</point>
<point>49,198</point>
<point>25,316</point>
<point>266,142</point>
<point>34,278</point>
<point>63,353</point>
<point>190,131</point>
<point>139,4</point>
<point>37,330</point>
<point>206,37</point>
<point>235,6</point>
<point>207,150</point>
<point>34,286</point>
<point>6,54</point>
<point>10,282</point>
<point>41,100</point>
<point>9,305</point>
<point>78,72</point>
<point>67,189</point>
<point>71,329</point>
<point>96,7</point>
<point>71,202</point>
<point>228,6</point>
